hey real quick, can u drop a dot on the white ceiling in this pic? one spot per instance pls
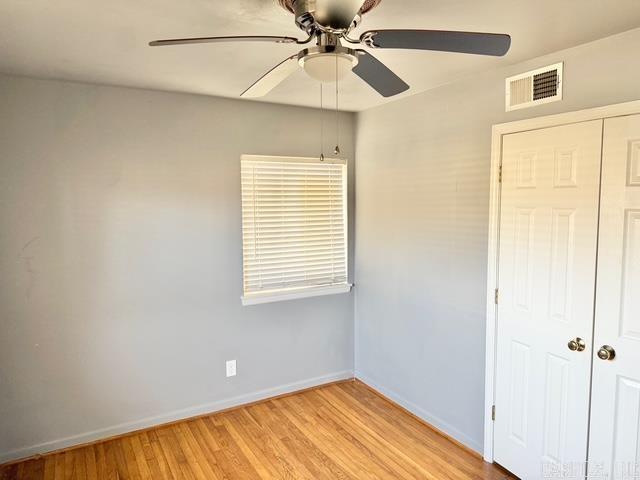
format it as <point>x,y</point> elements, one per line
<point>106,41</point>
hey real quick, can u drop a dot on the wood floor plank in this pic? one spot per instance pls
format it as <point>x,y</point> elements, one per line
<point>231,450</point>
<point>49,467</point>
<point>9,472</point>
<point>159,456</point>
<point>206,461</point>
<point>223,460</point>
<point>122,468</point>
<point>111,463</point>
<point>317,451</point>
<point>90,462</point>
<point>80,465</point>
<point>296,443</point>
<point>256,458</point>
<point>31,469</point>
<point>411,435</point>
<point>343,431</point>
<point>130,458</point>
<point>59,468</point>
<point>171,452</point>
<point>140,459</point>
<point>69,465</point>
<point>193,460</point>
<point>101,461</point>
<point>361,439</point>
<point>143,447</point>
<point>386,436</point>
<point>354,456</point>
<point>270,445</point>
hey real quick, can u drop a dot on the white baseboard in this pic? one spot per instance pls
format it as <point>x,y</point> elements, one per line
<point>181,414</point>
<point>423,414</point>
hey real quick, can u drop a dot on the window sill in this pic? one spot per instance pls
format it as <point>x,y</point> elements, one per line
<point>293,294</point>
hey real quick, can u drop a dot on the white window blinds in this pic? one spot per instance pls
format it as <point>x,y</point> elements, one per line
<point>294,224</point>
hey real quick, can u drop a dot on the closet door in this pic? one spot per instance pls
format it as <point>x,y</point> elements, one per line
<point>548,236</point>
<point>614,445</point>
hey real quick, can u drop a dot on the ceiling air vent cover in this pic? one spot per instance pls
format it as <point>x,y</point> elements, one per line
<point>536,87</point>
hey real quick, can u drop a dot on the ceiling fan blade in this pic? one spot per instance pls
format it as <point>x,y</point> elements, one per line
<point>272,78</point>
<point>337,14</point>
<point>185,41</point>
<point>376,74</point>
<point>495,44</point>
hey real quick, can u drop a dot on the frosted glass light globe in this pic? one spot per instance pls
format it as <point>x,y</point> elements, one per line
<point>322,66</point>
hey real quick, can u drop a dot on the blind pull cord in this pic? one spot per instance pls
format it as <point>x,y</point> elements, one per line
<point>321,126</point>
<point>336,151</point>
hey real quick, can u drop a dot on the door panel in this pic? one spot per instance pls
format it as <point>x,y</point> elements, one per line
<point>519,392</point>
<point>562,257</point>
<point>548,237</point>
<point>614,444</point>
<point>555,409</point>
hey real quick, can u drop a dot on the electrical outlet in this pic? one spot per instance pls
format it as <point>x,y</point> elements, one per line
<point>231,368</point>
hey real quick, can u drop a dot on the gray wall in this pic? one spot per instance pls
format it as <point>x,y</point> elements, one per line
<point>121,263</point>
<point>421,230</point>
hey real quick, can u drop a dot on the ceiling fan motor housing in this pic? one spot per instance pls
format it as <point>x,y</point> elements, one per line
<point>366,5</point>
<point>323,15</point>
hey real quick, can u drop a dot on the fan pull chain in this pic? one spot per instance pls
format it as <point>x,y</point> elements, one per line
<point>321,126</point>
<point>336,151</point>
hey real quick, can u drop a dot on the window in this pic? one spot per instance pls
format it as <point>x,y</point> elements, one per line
<point>294,227</point>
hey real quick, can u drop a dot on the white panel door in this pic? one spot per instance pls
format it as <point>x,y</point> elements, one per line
<point>548,238</point>
<point>614,444</point>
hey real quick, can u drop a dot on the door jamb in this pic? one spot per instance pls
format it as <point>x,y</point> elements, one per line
<point>497,132</point>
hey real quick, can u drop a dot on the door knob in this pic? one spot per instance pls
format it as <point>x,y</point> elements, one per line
<point>606,352</point>
<point>576,345</point>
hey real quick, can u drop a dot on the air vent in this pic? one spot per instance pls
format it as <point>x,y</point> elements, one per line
<point>536,87</point>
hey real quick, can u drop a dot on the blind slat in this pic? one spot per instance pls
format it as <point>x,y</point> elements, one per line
<point>299,243</point>
<point>298,281</point>
<point>267,280</point>
<point>325,257</point>
<point>274,271</point>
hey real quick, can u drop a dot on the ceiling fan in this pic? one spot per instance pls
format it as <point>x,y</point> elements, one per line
<point>329,23</point>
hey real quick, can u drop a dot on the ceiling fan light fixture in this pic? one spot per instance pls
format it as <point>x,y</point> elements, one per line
<point>322,66</point>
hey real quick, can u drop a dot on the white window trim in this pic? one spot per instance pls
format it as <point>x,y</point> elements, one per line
<point>294,294</point>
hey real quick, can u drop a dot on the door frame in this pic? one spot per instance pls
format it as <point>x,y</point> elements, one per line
<point>497,132</point>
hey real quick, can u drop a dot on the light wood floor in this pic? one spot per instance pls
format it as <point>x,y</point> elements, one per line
<point>340,431</point>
